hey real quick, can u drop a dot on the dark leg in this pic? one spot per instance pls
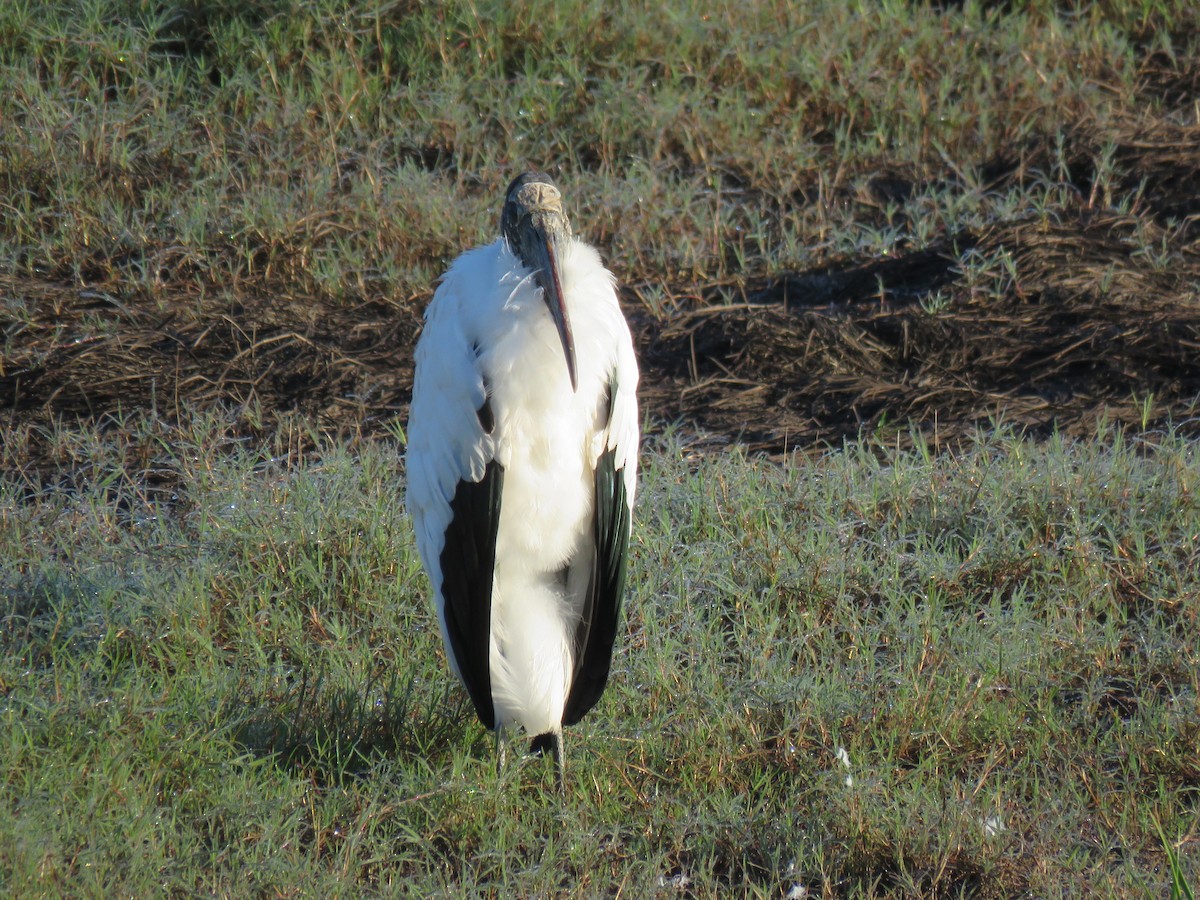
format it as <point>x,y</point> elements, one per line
<point>560,761</point>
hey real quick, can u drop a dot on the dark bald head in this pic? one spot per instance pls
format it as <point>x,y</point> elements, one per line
<point>532,199</point>
<point>537,231</point>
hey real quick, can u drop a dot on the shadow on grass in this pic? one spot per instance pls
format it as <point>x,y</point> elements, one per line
<point>338,732</point>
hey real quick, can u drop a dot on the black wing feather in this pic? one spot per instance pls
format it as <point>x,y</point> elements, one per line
<point>597,629</point>
<point>468,563</point>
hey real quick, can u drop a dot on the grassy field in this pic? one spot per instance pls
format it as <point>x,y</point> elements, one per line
<point>350,148</point>
<point>869,673</point>
<point>893,666</point>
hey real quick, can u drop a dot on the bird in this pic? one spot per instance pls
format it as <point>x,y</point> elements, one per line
<point>521,467</point>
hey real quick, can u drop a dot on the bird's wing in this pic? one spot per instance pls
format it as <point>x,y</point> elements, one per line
<point>467,563</point>
<point>455,482</point>
<point>615,478</point>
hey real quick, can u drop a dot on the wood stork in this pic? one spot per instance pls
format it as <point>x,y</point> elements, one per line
<point>522,463</point>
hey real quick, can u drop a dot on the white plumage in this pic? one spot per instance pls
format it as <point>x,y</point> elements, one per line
<point>522,447</point>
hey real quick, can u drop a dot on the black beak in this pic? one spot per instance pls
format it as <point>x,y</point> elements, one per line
<point>537,231</point>
<point>546,247</point>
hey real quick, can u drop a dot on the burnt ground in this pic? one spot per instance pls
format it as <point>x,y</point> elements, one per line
<point>1082,333</point>
<point>1051,321</point>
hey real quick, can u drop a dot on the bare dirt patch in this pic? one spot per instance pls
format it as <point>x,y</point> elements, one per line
<point>1049,321</point>
<point>1083,331</point>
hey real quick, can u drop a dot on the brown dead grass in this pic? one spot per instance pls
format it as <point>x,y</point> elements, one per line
<point>1056,320</point>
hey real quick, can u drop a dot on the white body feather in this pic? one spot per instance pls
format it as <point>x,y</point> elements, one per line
<point>488,327</point>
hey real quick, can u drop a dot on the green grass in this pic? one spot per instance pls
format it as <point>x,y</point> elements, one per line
<point>350,149</point>
<point>868,673</point>
<point>864,673</point>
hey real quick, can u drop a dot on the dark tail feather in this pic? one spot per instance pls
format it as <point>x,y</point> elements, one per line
<point>552,741</point>
<point>543,743</point>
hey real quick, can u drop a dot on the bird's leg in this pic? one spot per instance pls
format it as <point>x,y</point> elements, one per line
<point>501,749</point>
<point>560,761</point>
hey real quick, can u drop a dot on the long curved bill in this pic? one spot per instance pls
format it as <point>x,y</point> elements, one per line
<point>544,251</point>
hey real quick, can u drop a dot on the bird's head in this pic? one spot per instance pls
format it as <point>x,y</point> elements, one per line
<point>536,229</point>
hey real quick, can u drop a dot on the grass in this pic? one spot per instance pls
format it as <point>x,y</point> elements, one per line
<point>866,672</point>
<point>871,673</point>
<point>350,149</point>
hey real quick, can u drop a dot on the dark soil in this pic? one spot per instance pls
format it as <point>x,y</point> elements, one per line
<point>1083,333</point>
<point>1080,325</point>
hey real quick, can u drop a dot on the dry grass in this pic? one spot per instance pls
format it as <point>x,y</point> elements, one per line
<point>942,660</point>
